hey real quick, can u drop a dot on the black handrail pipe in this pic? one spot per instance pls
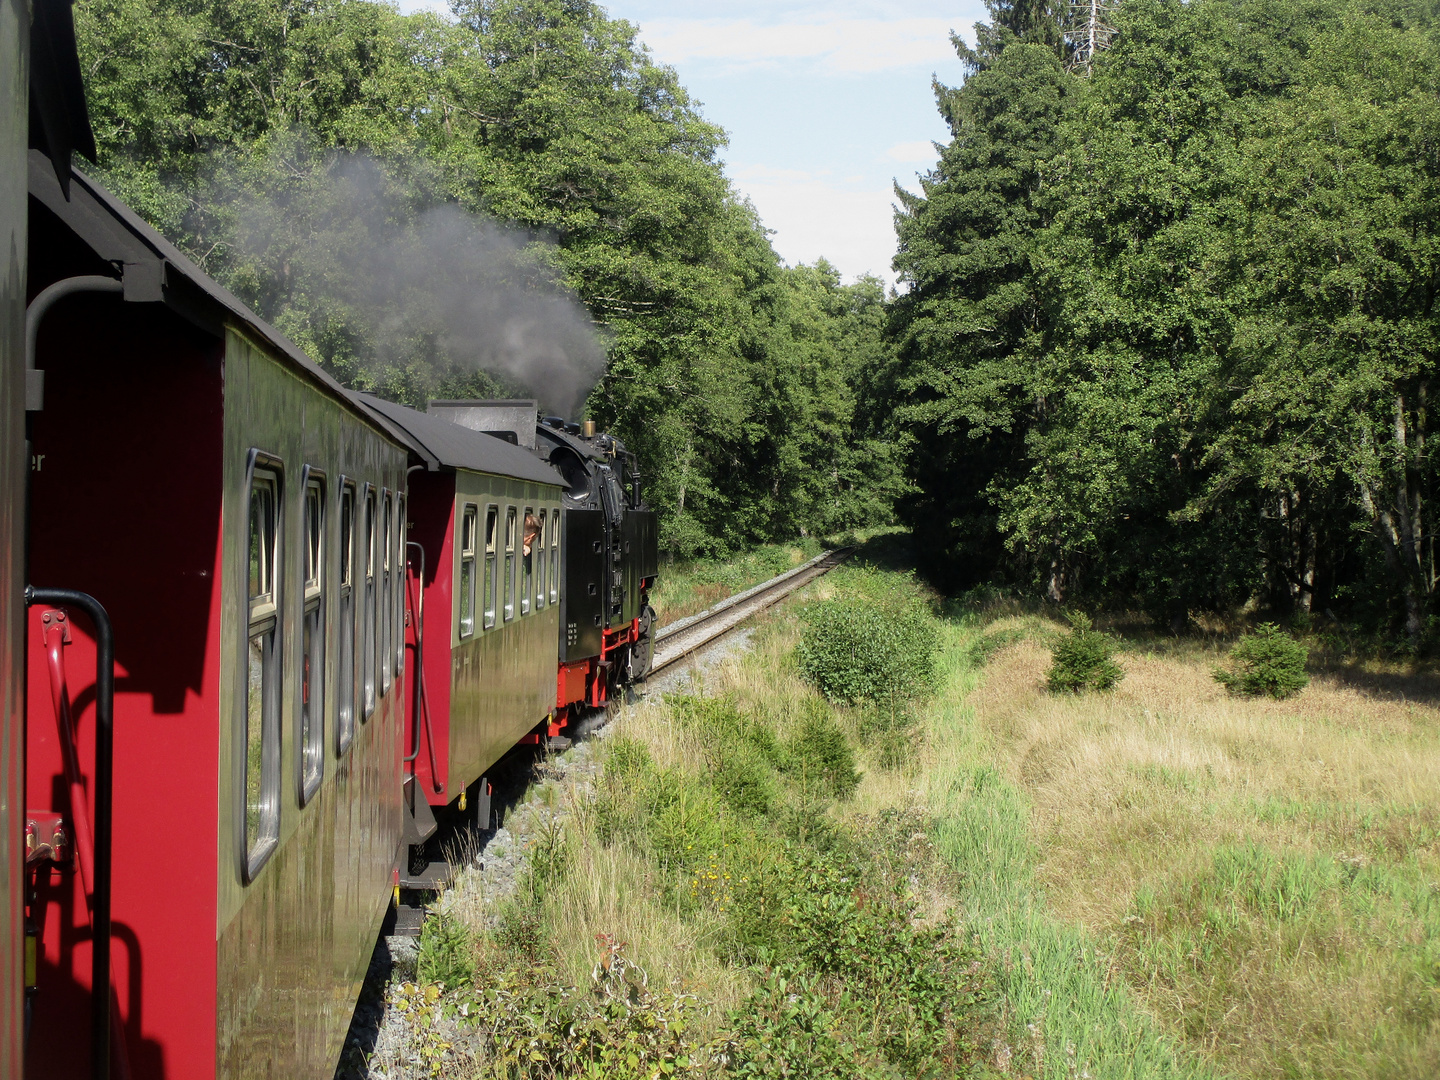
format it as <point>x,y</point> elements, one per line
<point>104,797</point>
<point>419,653</point>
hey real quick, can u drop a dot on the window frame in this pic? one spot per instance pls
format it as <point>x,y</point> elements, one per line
<point>402,585</point>
<point>310,746</point>
<point>508,607</point>
<point>489,606</point>
<point>542,556</point>
<point>348,683</point>
<point>465,586</point>
<point>369,682</point>
<point>385,594</point>
<point>556,520</point>
<point>261,618</point>
<point>526,584</point>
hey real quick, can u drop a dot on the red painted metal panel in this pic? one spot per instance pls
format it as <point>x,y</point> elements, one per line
<point>126,506</point>
<point>570,683</point>
<point>432,524</point>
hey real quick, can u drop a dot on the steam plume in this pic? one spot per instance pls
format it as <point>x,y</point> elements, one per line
<point>361,262</point>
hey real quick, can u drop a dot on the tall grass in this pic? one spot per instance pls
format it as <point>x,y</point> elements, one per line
<point>1162,881</point>
<point>1259,876</point>
<point>1068,1013</point>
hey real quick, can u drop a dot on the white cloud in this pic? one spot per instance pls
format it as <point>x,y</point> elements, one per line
<point>848,46</point>
<point>914,153</point>
<point>813,216</point>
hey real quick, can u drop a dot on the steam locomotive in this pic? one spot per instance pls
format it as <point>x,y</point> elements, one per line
<point>260,633</point>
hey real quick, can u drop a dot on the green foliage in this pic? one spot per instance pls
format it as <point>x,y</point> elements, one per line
<point>890,728</point>
<point>754,394</point>
<point>546,858</point>
<point>1082,659</point>
<point>1169,328</point>
<point>1267,660</point>
<point>848,970</point>
<point>534,1027</point>
<point>988,644</point>
<point>446,951</point>
<point>819,755</point>
<point>858,648</point>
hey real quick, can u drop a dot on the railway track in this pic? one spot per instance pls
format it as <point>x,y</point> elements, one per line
<point>688,635</point>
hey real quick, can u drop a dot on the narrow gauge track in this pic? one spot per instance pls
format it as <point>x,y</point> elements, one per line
<point>686,636</point>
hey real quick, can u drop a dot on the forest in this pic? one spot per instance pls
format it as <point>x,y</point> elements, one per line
<point>1165,328</point>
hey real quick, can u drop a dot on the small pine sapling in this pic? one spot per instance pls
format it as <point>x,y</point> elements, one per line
<point>1267,660</point>
<point>1083,659</point>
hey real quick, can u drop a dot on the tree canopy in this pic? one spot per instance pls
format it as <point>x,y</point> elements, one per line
<point>1170,327</point>
<point>538,151</point>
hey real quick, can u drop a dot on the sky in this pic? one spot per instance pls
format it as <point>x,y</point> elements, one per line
<point>826,104</point>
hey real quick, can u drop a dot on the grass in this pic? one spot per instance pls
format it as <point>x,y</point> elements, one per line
<point>688,586</point>
<point>1261,875</point>
<point>1159,881</point>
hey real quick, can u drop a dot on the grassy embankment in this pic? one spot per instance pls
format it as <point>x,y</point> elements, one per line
<point>1159,881</point>
<point>688,586</point>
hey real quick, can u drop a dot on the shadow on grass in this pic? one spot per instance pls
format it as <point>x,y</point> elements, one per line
<point>1419,683</point>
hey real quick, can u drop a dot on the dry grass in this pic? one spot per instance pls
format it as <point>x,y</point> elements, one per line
<point>1264,873</point>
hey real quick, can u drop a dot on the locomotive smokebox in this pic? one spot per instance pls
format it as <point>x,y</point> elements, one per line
<point>512,420</point>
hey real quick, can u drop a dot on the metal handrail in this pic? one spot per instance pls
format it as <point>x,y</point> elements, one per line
<point>100,1008</point>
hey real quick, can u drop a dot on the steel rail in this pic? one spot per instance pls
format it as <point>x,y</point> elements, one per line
<point>686,636</point>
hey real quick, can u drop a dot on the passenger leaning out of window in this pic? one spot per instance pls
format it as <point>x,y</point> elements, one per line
<point>532,531</point>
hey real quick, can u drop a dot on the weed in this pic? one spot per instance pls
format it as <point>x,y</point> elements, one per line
<point>1082,659</point>
<point>546,861</point>
<point>1265,661</point>
<point>446,951</point>
<point>521,933</point>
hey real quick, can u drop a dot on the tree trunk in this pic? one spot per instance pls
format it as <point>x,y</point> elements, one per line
<point>1055,586</point>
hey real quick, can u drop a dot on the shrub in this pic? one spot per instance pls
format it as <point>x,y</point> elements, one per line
<point>446,953</point>
<point>1265,661</point>
<point>859,648</point>
<point>742,779</point>
<point>819,754</point>
<point>1082,659</point>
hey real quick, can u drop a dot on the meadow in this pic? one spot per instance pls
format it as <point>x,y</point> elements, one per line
<point>977,877</point>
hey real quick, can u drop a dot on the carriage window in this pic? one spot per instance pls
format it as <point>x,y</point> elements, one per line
<point>467,572</point>
<point>387,582</point>
<point>555,520</point>
<point>541,558</point>
<point>312,653</point>
<point>345,681</point>
<point>509,564</point>
<point>492,515</point>
<point>367,616</point>
<point>527,559</point>
<point>262,664</point>
<point>402,586</point>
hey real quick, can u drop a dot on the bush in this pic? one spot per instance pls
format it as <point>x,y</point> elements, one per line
<point>446,953</point>
<point>857,648</point>
<point>819,754</point>
<point>1082,660</point>
<point>1265,661</point>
